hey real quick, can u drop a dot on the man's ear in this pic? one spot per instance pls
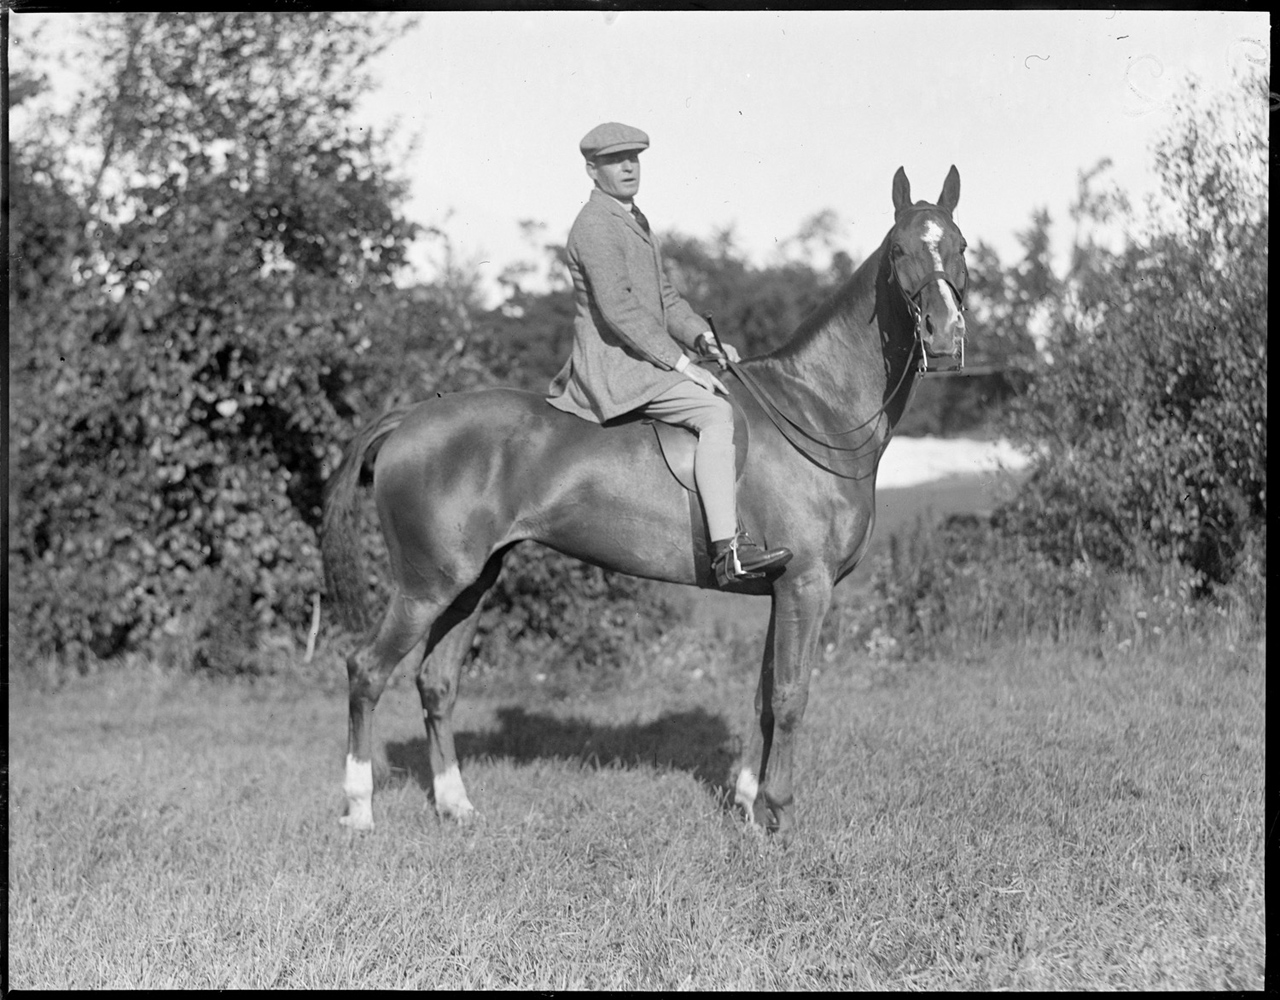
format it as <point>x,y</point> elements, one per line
<point>591,169</point>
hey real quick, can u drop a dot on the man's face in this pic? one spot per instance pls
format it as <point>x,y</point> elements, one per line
<point>617,174</point>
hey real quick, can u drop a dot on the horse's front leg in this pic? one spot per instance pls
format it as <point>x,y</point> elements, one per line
<point>765,783</point>
<point>755,758</point>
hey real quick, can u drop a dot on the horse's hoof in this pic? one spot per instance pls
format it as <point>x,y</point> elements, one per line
<point>761,816</point>
<point>783,825</point>
<point>451,796</point>
<point>464,813</point>
<point>774,818</point>
<point>360,824</point>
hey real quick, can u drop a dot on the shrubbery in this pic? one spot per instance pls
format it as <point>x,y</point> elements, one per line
<point>568,624</point>
<point>946,589</point>
<point>1150,421</point>
<point>1144,512</point>
<point>190,327</point>
<point>197,325</point>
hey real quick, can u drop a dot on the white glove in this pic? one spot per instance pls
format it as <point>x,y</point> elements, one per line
<point>707,344</point>
<point>700,376</point>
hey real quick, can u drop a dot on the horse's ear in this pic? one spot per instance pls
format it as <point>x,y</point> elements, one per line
<point>901,190</point>
<point>950,191</point>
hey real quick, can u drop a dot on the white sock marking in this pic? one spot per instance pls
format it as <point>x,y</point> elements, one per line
<point>745,793</point>
<point>357,785</point>
<point>451,794</point>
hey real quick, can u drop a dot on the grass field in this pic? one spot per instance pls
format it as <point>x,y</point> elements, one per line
<point>1028,818</point>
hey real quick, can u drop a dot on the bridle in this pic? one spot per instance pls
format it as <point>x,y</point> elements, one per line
<point>807,440</point>
<point>916,309</point>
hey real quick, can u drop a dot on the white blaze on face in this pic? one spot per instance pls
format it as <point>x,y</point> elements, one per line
<point>932,240</point>
<point>932,237</point>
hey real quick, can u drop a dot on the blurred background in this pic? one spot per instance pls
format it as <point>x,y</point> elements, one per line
<point>236,238</point>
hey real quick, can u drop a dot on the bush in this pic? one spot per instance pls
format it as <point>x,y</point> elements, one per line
<point>965,584</point>
<point>187,327</point>
<point>1150,416</point>
<point>574,624</point>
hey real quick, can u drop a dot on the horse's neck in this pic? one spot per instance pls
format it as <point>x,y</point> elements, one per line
<point>848,358</point>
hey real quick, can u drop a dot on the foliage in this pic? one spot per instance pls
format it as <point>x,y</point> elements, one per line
<point>757,308</point>
<point>1144,512</point>
<point>189,322</point>
<point>568,624</point>
<point>965,584</point>
<point>1003,305</point>
<point>1151,414</point>
<point>201,315</point>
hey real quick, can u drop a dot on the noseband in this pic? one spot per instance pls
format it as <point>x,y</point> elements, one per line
<point>916,309</point>
<point>912,298</point>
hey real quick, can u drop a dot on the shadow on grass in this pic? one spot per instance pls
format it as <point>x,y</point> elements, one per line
<point>694,741</point>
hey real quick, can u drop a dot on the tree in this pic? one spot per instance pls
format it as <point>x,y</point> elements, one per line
<point>756,307</point>
<point>1152,415</point>
<point>193,351</point>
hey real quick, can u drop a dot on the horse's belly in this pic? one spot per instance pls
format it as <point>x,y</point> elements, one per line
<point>609,499</point>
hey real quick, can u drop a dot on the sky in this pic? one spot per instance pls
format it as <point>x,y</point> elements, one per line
<point>758,120</point>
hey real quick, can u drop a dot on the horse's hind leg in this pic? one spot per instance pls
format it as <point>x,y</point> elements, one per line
<point>401,635</point>
<point>438,688</point>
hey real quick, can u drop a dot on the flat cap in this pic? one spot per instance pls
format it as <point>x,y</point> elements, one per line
<point>612,137</point>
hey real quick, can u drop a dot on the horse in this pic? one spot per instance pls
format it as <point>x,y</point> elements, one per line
<point>462,478</point>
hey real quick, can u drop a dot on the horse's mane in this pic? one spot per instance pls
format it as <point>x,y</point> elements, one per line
<point>843,306</point>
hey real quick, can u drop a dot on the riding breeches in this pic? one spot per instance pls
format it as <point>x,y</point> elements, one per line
<point>714,465</point>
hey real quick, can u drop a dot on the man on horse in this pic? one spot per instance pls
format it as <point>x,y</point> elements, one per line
<point>631,332</point>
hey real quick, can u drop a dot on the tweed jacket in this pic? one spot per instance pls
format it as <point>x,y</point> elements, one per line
<point>630,327</point>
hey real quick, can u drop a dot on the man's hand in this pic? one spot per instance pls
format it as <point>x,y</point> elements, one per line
<point>700,376</point>
<point>708,346</point>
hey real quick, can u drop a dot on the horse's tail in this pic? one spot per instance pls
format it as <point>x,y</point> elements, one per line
<point>339,529</point>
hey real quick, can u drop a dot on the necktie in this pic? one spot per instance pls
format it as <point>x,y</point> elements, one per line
<point>644,223</point>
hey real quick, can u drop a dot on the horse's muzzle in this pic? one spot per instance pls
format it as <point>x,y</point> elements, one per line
<point>946,362</point>
<point>944,342</point>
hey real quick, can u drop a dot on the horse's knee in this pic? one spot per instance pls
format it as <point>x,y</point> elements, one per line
<point>363,683</point>
<point>438,691</point>
<point>789,703</point>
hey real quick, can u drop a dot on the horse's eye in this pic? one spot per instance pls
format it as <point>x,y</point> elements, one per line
<point>896,250</point>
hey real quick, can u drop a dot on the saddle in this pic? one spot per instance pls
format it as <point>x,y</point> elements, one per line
<point>678,444</point>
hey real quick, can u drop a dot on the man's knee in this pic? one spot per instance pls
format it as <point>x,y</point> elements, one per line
<point>692,406</point>
<point>716,411</point>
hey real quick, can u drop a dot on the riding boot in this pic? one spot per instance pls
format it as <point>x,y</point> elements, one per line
<point>739,558</point>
